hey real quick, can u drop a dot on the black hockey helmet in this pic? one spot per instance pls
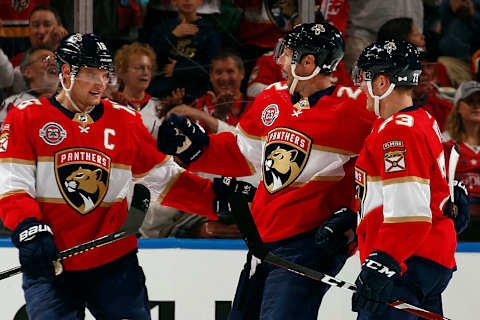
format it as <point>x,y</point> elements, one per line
<point>322,40</point>
<point>83,50</point>
<point>397,58</point>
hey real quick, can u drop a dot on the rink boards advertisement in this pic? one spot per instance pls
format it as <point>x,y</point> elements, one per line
<point>196,279</point>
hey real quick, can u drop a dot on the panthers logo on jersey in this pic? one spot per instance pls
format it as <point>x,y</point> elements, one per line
<point>82,177</point>
<point>286,153</point>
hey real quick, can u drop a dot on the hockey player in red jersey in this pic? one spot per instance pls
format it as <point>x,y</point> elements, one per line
<point>66,164</point>
<point>406,241</point>
<point>303,134</point>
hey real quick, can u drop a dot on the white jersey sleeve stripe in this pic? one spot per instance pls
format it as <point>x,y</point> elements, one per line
<point>161,178</point>
<point>249,147</point>
<point>15,176</point>
<point>408,199</point>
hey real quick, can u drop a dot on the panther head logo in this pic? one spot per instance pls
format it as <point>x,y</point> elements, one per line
<point>280,163</point>
<point>286,154</point>
<point>83,176</point>
<point>89,186</point>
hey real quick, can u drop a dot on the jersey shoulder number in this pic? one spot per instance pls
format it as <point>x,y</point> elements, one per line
<point>401,119</point>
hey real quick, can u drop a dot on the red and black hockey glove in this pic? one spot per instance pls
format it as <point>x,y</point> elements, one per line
<point>331,237</point>
<point>36,247</point>
<point>180,137</point>
<point>375,283</point>
<point>459,210</point>
<point>224,187</point>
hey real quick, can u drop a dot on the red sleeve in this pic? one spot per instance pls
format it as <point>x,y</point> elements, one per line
<point>17,171</point>
<point>222,157</point>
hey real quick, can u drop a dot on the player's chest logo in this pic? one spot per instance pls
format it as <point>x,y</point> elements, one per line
<point>82,176</point>
<point>52,133</point>
<point>286,153</point>
<point>394,156</point>
<point>270,114</point>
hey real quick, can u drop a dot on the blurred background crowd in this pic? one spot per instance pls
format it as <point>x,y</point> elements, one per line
<point>208,59</point>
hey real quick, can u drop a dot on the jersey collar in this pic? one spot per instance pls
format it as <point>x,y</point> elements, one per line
<point>313,99</point>
<point>95,114</point>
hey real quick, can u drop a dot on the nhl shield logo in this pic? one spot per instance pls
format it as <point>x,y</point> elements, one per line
<point>82,177</point>
<point>286,153</point>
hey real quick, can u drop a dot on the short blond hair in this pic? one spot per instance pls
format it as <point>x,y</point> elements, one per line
<point>123,55</point>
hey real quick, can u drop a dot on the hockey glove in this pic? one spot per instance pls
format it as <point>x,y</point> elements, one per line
<point>36,247</point>
<point>459,210</point>
<point>375,283</point>
<point>224,187</point>
<point>330,236</point>
<point>180,137</point>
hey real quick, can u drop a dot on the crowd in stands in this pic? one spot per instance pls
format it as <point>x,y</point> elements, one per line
<point>208,59</point>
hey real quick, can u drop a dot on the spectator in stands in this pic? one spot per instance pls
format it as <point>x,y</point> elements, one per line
<point>463,129</point>
<point>39,69</point>
<point>460,28</point>
<point>184,45</point>
<point>221,109</point>
<point>365,18</point>
<point>45,29</point>
<point>426,94</point>
<point>15,14</point>
<point>135,64</point>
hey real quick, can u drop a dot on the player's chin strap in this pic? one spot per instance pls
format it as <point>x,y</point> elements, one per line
<point>296,78</point>
<point>67,90</point>
<point>376,99</point>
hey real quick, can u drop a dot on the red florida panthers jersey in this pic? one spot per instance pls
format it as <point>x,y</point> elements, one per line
<point>73,170</point>
<point>306,156</point>
<point>402,190</point>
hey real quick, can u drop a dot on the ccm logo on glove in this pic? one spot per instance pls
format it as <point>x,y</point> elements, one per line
<point>380,268</point>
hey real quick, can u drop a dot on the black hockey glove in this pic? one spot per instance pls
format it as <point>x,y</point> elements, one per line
<point>180,137</point>
<point>459,210</point>
<point>330,236</point>
<point>375,283</point>
<point>36,247</point>
<point>224,187</point>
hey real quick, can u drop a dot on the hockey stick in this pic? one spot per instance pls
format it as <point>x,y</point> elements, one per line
<point>452,166</point>
<point>246,225</point>
<point>136,214</point>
